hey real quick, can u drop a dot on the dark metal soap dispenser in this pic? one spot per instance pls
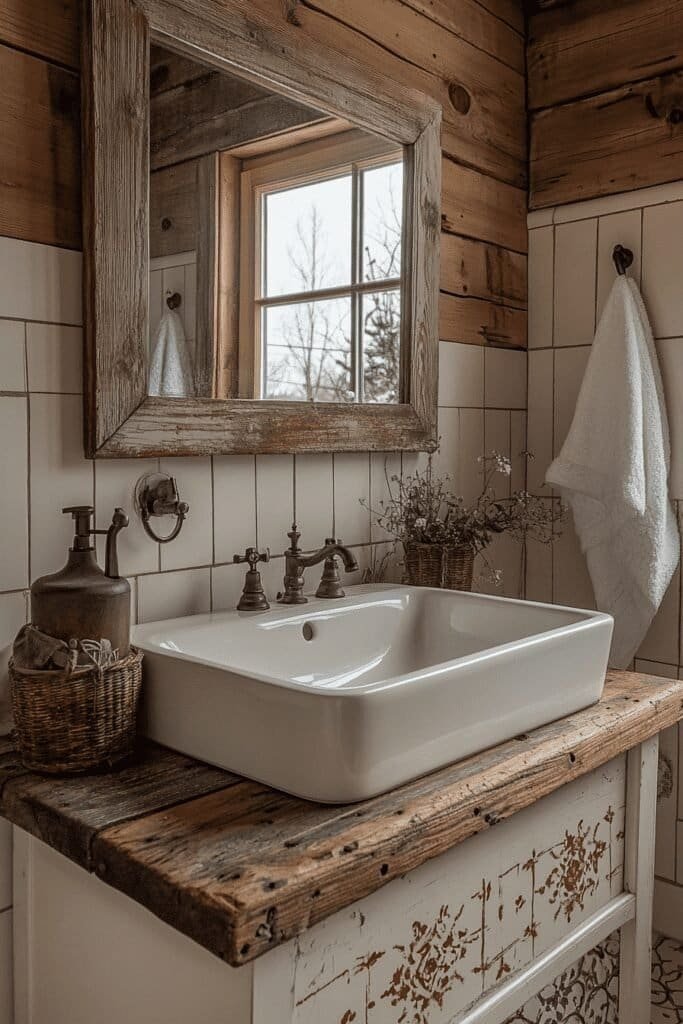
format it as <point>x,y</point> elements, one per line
<point>80,601</point>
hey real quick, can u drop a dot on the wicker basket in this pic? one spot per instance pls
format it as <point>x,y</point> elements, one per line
<point>76,721</point>
<point>436,565</point>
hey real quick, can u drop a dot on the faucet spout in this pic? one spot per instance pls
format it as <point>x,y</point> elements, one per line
<point>296,561</point>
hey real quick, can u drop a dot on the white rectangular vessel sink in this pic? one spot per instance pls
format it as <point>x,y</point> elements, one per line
<point>338,700</point>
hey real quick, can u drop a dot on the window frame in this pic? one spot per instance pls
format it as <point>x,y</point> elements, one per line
<point>319,160</point>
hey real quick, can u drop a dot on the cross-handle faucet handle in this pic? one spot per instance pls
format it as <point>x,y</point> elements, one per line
<point>253,556</point>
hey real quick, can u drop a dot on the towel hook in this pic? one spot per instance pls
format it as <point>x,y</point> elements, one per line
<point>623,258</point>
<point>174,300</point>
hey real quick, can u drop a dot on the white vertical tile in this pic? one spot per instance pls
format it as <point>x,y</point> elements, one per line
<point>540,419</point>
<point>6,969</point>
<point>616,229</point>
<point>670,352</point>
<point>384,466</point>
<point>5,864</point>
<point>274,500</point>
<point>351,486</point>
<point>115,481</point>
<point>570,366</point>
<point>539,572</point>
<point>272,577</point>
<point>156,307</point>
<point>40,282</point>
<point>541,259</point>
<point>13,615</point>
<point>661,643</point>
<point>505,372</point>
<point>227,582</point>
<point>446,459</point>
<point>313,498</point>
<point>518,448</point>
<point>55,358</point>
<point>190,303</point>
<point>14,476</point>
<point>503,555</point>
<point>471,449</point>
<point>661,257</point>
<point>497,439</point>
<point>194,543</point>
<point>571,583</point>
<point>234,505</point>
<point>60,476</point>
<point>170,595</point>
<point>12,356</point>
<point>461,374</point>
<point>575,264</point>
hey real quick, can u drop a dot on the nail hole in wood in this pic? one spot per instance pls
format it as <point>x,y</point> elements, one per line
<point>572,757</point>
<point>384,870</point>
<point>245,949</point>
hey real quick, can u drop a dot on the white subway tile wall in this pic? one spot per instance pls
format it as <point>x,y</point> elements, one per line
<point>571,294</point>
<point>235,501</point>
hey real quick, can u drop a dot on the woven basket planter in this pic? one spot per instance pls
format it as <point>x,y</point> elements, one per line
<point>436,565</point>
<point>76,721</point>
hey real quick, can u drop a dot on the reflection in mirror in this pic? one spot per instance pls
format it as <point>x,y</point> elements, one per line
<point>275,245</point>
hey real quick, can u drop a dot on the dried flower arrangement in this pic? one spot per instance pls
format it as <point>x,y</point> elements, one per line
<point>441,534</point>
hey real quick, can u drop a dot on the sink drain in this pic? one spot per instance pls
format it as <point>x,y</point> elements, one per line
<point>307,631</point>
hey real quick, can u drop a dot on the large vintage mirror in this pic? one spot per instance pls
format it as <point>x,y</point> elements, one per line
<point>262,228</point>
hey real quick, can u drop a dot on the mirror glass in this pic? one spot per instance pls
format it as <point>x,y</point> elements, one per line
<point>276,238</point>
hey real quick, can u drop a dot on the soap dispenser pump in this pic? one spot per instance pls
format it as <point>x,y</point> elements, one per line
<point>81,601</point>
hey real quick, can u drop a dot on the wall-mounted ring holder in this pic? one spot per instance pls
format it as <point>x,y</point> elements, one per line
<point>157,495</point>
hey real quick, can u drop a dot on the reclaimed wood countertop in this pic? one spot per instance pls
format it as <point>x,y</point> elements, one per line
<point>240,867</point>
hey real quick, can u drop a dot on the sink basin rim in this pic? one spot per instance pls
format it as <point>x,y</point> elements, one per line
<point>142,636</point>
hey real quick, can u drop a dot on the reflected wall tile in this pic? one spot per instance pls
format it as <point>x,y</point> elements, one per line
<point>351,484</point>
<point>575,261</point>
<point>194,543</point>
<point>170,595</point>
<point>234,505</point>
<point>540,420</point>
<point>12,356</point>
<point>60,476</point>
<point>14,568</point>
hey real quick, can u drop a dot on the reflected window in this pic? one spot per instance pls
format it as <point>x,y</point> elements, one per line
<point>324,313</point>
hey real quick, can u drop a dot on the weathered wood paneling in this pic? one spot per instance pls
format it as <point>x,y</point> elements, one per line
<point>46,28</point>
<point>241,868</point>
<point>591,46</point>
<point>40,177</point>
<point>466,53</point>
<point>627,138</point>
<point>606,91</point>
<point>484,271</point>
<point>480,322</point>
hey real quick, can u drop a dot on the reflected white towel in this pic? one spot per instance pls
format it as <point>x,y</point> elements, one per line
<point>613,472</point>
<point>170,371</point>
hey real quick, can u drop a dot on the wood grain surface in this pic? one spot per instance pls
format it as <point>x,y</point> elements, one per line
<point>240,867</point>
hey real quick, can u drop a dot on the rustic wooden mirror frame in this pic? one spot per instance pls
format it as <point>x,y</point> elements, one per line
<point>120,419</point>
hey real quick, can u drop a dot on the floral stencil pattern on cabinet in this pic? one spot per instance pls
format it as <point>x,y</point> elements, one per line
<point>667,981</point>
<point>430,944</point>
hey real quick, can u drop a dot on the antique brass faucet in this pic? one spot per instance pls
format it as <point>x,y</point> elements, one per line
<point>296,561</point>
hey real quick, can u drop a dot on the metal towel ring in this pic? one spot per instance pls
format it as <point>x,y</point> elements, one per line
<point>157,495</point>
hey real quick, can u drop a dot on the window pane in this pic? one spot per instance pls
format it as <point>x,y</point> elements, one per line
<point>307,237</point>
<point>381,346</point>
<point>307,351</point>
<point>382,221</point>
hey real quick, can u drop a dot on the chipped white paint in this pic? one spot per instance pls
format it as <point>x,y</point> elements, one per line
<point>524,913</point>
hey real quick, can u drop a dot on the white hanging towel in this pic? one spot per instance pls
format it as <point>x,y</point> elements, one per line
<point>170,371</point>
<point>613,472</point>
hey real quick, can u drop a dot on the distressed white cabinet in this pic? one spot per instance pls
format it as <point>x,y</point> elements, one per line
<point>552,904</point>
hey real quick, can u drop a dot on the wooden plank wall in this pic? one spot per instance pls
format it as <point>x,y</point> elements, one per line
<point>469,54</point>
<point>605,87</point>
